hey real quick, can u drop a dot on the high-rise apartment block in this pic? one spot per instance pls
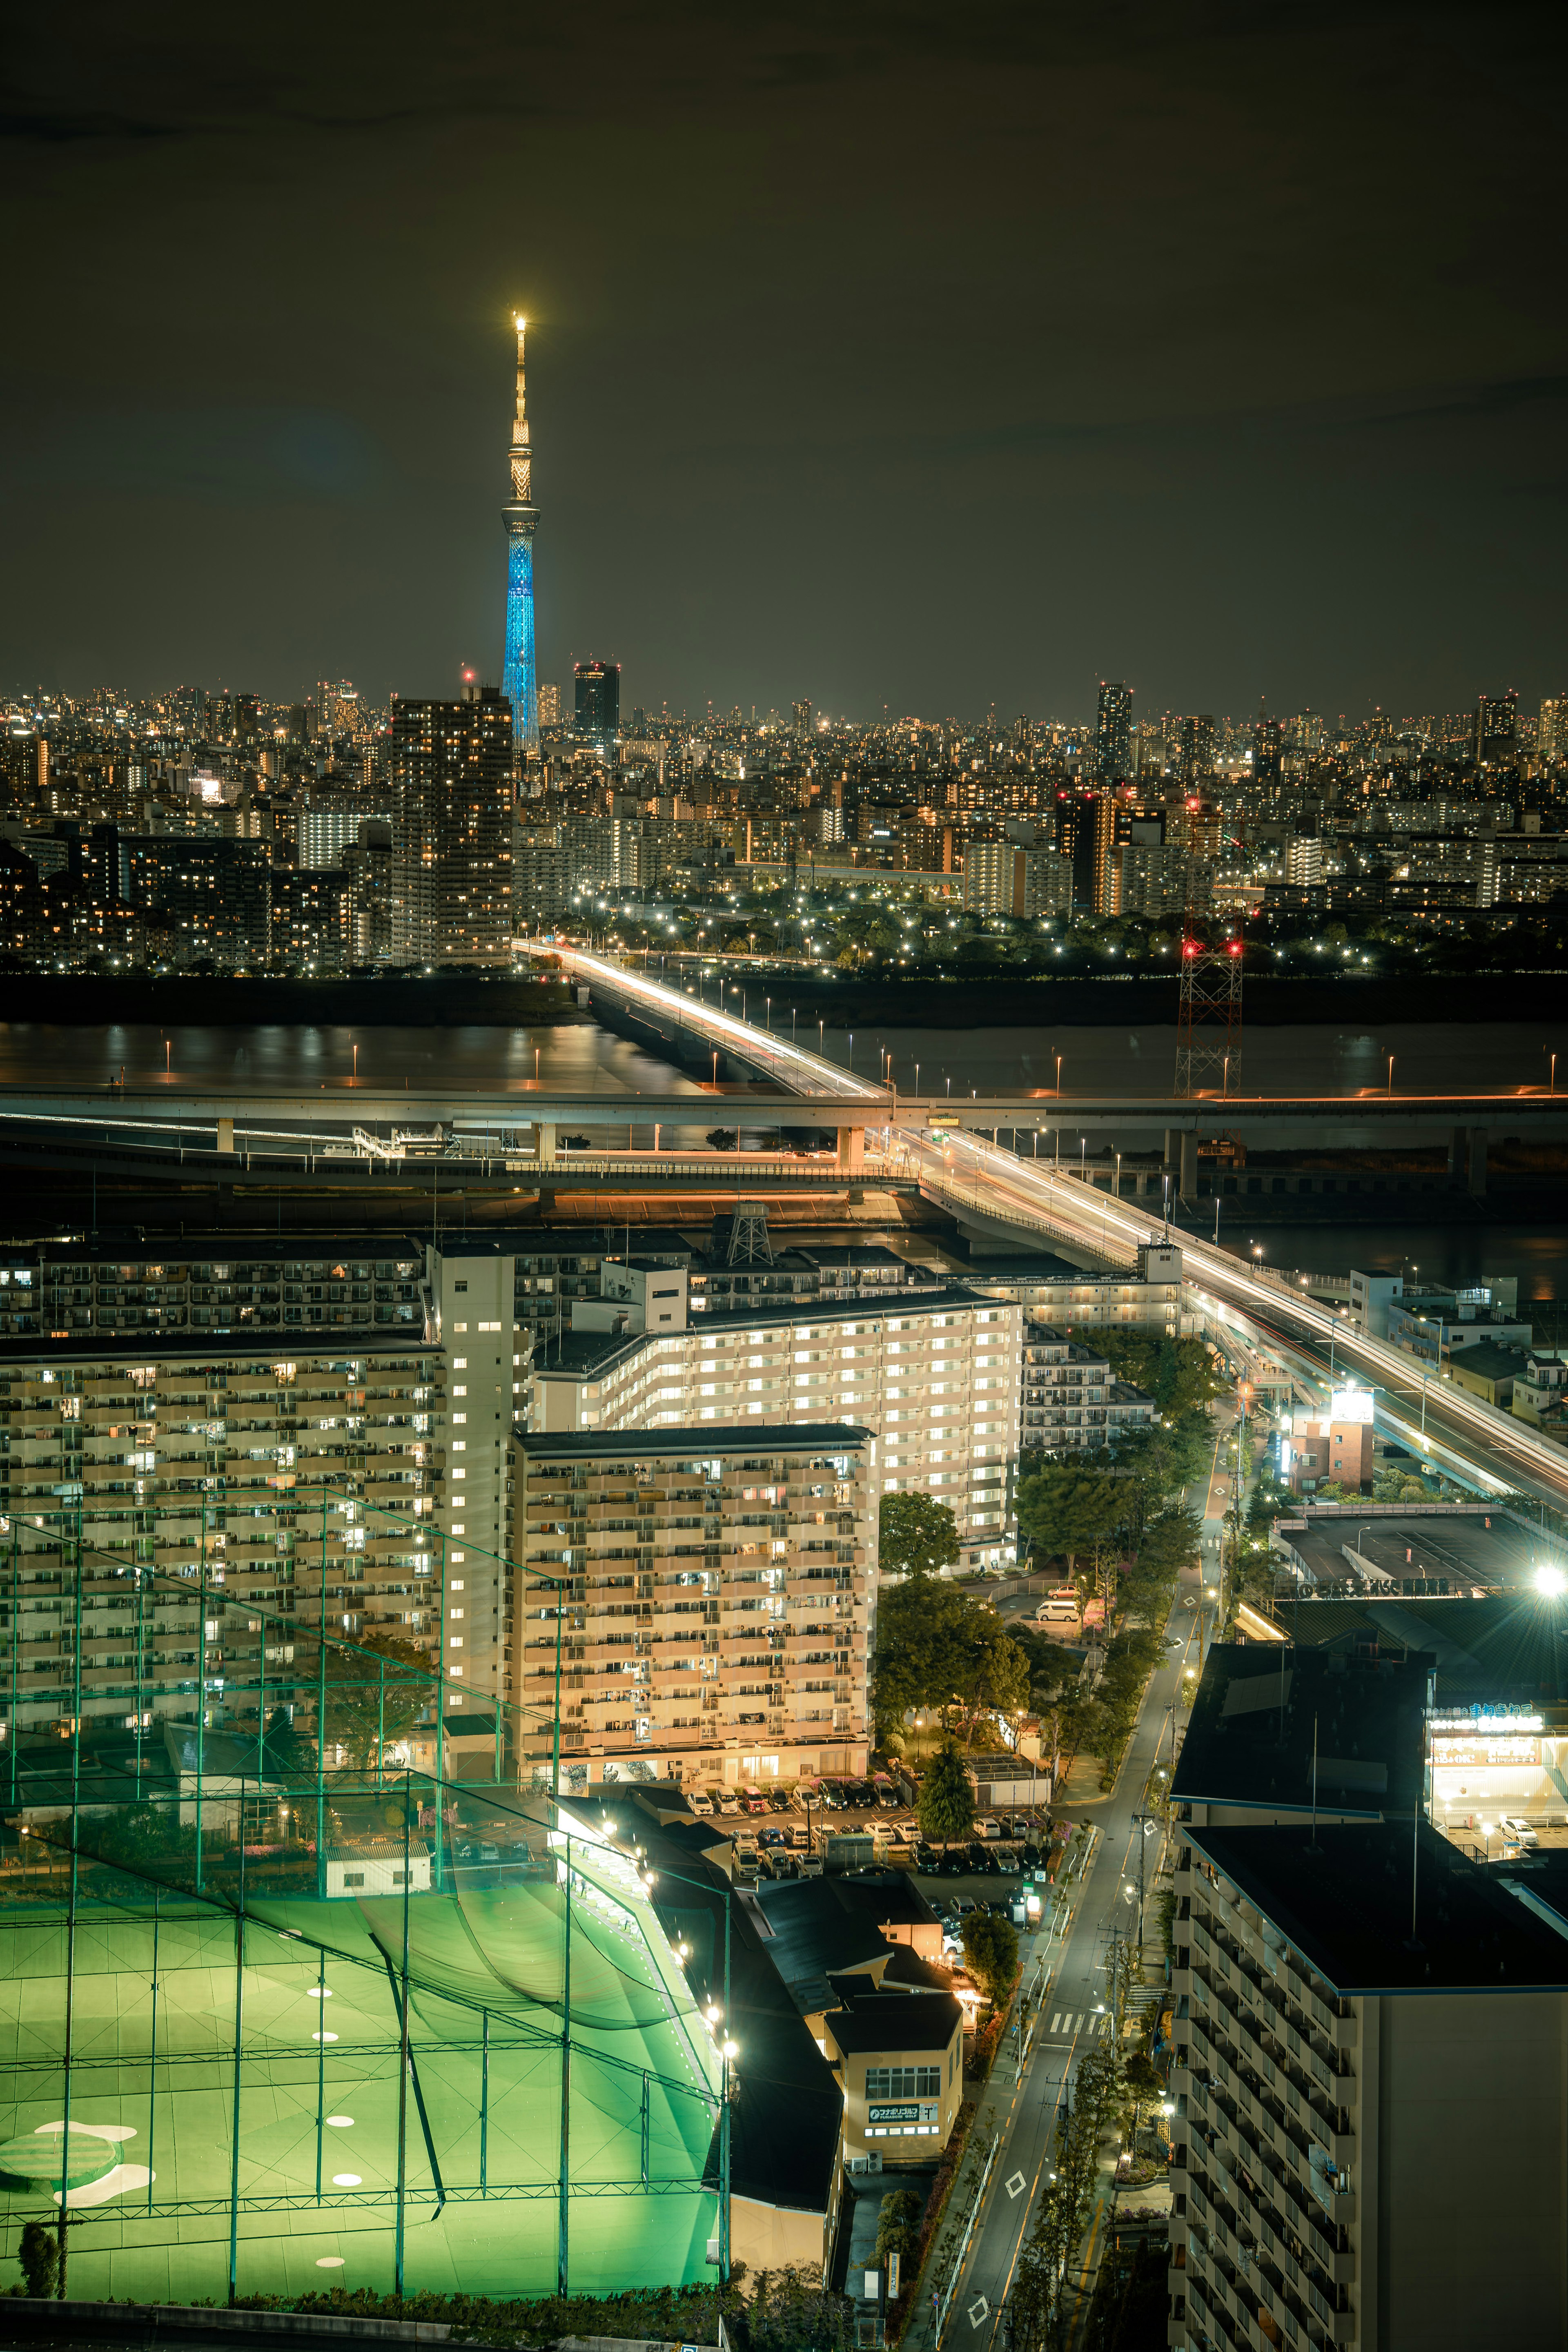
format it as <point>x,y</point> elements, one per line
<point>1197,747</point>
<point>709,1595</point>
<point>934,1375</point>
<point>1113,733</point>
<point>1004,878</point>
<point>549,705</point>
<point>596,687</point>
<point>1355,2003</point>
<point>451,775</point>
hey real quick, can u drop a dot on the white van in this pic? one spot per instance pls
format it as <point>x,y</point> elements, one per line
<point>1058,1606</point>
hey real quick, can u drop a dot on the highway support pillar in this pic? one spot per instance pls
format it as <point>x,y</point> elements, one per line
<point>226,1136</point>
<point>1468,1159</point>
<point>1188,1187</point>
<point>545,1146</point>
<point>851,1146</point>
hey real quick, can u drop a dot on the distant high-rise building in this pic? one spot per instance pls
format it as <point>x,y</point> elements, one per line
<point>337,706</point>
<point>1551,735</point>
<point>1268,750</point>
<point>321,835</point>
<point>1197,746</point>
<point>1496,729</point>
<point>597,694</point>
<point>521,518</point>
<point>451,771</point>
<point>802,720</point>
<point>1113,733</point>
<point>549,705</point>
<point>1085,822</point>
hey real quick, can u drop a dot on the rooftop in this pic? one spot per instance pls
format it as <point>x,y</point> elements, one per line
<point>1341,1899</point>
<point>711,1438</point>
<point>1505,1647</point>
<point>1261,1711</point>
<point>873,2020</point>
<point>817,1926</point>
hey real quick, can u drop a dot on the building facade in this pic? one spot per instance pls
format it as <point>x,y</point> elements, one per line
<point>935,1376</point>
<point>712,1591</point>
<point>451,770</point>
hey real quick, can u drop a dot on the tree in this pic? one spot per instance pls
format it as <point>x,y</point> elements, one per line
<point>376,1693</point>
<point>1065,1509</point>
<point>993,1679</point>
<point>990,1953</point>
<point>722,1138</point>
<point>285,1756</point>
<point>898,2224</point>
<point>38,2252</point>
<point>923,1629</point>
<point>946,1807</point>
<point>915,1535</point>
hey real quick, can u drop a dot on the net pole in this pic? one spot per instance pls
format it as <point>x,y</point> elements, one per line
<point>152,2049</point>
<point>562,2249</point>
<point>403,2065</point>
<point>140,1669</point>
<point>724,2124</point>
<point>381,1725</point>
<point>201,1690</point>
<point>16,1644</point>
<point>321,1724</point>
<point>320,2061</point>
<point>238,2055</point>
<point>441,1726</point>
<point>70,1922</point>
<point>485,2105</point>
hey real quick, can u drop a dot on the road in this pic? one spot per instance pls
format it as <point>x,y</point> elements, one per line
<point>1077,2008</point>
<point>1040,1203</point>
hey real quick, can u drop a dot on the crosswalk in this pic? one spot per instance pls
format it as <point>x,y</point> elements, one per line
<point>1089,2021</point>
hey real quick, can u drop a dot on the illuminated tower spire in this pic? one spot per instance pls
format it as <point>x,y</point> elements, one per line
<point>521,516</point>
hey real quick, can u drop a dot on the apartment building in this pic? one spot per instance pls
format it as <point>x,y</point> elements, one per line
<point>126,1283</point>
<point>312,1485</point>
<point>716,1592</point>
<point>933,1374</point>
<point>1071,1400</point>
<point>1371,2136</point>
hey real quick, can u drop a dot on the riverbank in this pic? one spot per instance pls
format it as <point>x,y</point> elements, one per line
<point>444,1001</point>
<point>466,999</point>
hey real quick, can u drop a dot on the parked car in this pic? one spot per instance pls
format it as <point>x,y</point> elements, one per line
<point>962,1906</point>
<point>799,1837</point>
<point>772,1837</point>
<point>778,1865</point>
<point>987,1826</point>
<point>753,1802</point>
<point>886,1796</point>
<point>1515,1827</point>
<point>727,1802</point>
<point>1032,1856</point>
<point>955,1865</point>
<point>699,1801</point>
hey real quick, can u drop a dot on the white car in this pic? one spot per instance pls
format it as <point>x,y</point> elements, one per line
<point>1517,1830</point>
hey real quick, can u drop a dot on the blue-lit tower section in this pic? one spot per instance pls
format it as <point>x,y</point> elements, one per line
<point>521,516</point>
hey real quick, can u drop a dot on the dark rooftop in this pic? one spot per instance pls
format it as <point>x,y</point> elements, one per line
<point>724,1437</point>
<point>818,1926</point>
<point>1261,1709</point>
<point>872,2021</point>
<point>1507,1646</point>
<point>788,2107</point>
<point>1342,1900</point>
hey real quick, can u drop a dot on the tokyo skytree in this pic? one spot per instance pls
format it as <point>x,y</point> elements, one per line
<point>521,516</point>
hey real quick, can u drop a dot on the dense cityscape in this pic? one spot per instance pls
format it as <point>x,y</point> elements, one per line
<point>783,1491</point>
<point>216,832</point>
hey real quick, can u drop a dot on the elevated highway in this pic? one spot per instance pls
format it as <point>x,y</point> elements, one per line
<point>968,1175</point>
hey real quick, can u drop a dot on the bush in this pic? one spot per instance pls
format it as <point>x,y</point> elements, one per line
<point>991,1952</point>
<point>40,2254</point>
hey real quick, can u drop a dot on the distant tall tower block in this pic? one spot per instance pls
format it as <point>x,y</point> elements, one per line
<point>521,516</point>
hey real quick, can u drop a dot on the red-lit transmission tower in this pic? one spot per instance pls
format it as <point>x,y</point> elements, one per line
<point>1208,1023</point>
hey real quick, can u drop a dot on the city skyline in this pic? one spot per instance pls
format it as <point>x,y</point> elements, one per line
<point>1034,363</point>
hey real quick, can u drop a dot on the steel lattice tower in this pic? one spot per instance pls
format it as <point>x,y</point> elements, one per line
<point>521,517</point>
<point>1208,1024</point>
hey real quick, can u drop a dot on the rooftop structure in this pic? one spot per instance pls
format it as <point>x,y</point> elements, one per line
<point>1281,1731</point>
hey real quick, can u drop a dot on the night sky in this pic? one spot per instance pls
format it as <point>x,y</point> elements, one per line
<point>918,356</point>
